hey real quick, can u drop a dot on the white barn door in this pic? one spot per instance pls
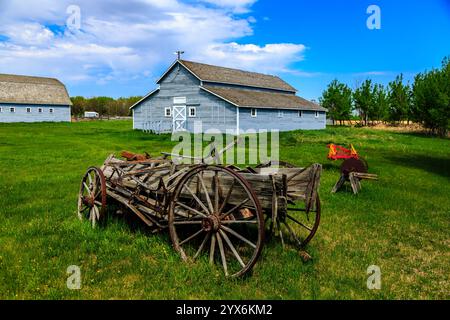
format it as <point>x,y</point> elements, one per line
<point>179,118</point>
<point>179,114</point>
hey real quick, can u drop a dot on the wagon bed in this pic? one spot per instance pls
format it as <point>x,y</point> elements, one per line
<point>214,212</point>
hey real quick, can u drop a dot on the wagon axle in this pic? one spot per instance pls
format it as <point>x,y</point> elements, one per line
<point>211,223</point>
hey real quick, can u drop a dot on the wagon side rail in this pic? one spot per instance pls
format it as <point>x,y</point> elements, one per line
<point>299,183</point>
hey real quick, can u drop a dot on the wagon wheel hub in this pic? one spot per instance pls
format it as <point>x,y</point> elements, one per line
<point>211,223</point>
<point>88,201</point>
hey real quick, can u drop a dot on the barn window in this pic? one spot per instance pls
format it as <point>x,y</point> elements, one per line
<point>12,109</point>
<point>168,112</point>
<point>28,110</point>
<point>300,113</point>
<point>317,114</point>
<point>50,110</point>
<point>280,114</point>
<point>192,112</point>
<point>253,112</point>
<point>40,110</point>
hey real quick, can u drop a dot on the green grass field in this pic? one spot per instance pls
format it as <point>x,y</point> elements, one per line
<point>400,223</point>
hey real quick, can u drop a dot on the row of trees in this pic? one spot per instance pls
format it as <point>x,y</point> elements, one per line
<point>105,106</point>
<point>426,101</point>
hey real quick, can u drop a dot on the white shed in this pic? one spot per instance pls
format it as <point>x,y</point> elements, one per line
<point>91,114</point>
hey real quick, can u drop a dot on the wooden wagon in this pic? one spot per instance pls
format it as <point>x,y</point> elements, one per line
<point>213,212</point>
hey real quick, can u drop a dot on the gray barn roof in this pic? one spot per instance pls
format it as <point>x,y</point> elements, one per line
<point>216,74</point>
<point>32,90</point>
<point>262,99</point>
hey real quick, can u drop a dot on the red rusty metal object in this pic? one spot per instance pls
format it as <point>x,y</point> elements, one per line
<point>130,156</point>
<point>338,152</point>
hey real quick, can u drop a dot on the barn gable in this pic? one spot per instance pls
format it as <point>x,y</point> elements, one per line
<point>150,112</point>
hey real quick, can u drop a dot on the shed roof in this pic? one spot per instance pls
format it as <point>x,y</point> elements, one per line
<point>32,90</point>
<point>217,74</point>
<point>263,99</point>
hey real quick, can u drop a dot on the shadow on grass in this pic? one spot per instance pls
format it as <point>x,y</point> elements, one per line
<point>331,166</point>
<point>422,134</point>
<point>436,165</point>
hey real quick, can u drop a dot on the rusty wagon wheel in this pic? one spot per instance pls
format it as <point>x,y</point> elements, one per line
<point>296,224</point>
<point>301,225</point>
<point>92,196</point>
<point>225,221</point>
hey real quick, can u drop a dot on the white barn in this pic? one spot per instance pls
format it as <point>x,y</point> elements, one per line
<point>224,99</point>
<point>33,99</point>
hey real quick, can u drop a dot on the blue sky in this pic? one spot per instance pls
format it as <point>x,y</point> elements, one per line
<point>121,48</point>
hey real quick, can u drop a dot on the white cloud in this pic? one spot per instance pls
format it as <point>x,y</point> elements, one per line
<point>130,41</point>
<point>238,6</point>
<point>28,34</point>
<point>270,58</point>
<point>372,73</point>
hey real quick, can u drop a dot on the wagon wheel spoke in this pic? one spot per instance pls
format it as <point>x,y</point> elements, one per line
<point>197,199</point>
<point>212,249</point>
<point>237,235</point>
<point>208,198</point>
<point>227,197</point>
<point>198,213</point>
<point>87,188</point>
<point>235,208</point>
<point>222,254</point>
<point>98,203</point>
<point>191,237</point>
<point>239,222</point>
<point>187,222</point>
<point>94,186</point>
<point>233,249</point>
<point>92,217</point>
<point>296,239</point>
<point>97,212</point>
<point>299,223</point>
<point>99,192</point>
<point>202,245</point>
<point>216,191</point>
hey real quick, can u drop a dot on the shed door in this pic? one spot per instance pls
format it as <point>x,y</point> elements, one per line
<point>179,118</point>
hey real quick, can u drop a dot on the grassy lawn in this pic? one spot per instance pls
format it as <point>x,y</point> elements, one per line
<point>400,223</point>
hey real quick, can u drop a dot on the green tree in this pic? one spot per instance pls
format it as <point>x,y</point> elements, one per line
<point>337,98</point>
<point>380,110</point>
<point>78,105</point>
<point>101,105</point>
<point>399,100</point>
<point>431,95</point>
<point>364,100</point>
<point>105,106</point>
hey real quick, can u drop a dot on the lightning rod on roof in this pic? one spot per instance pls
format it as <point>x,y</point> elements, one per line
<point>179,53</point>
